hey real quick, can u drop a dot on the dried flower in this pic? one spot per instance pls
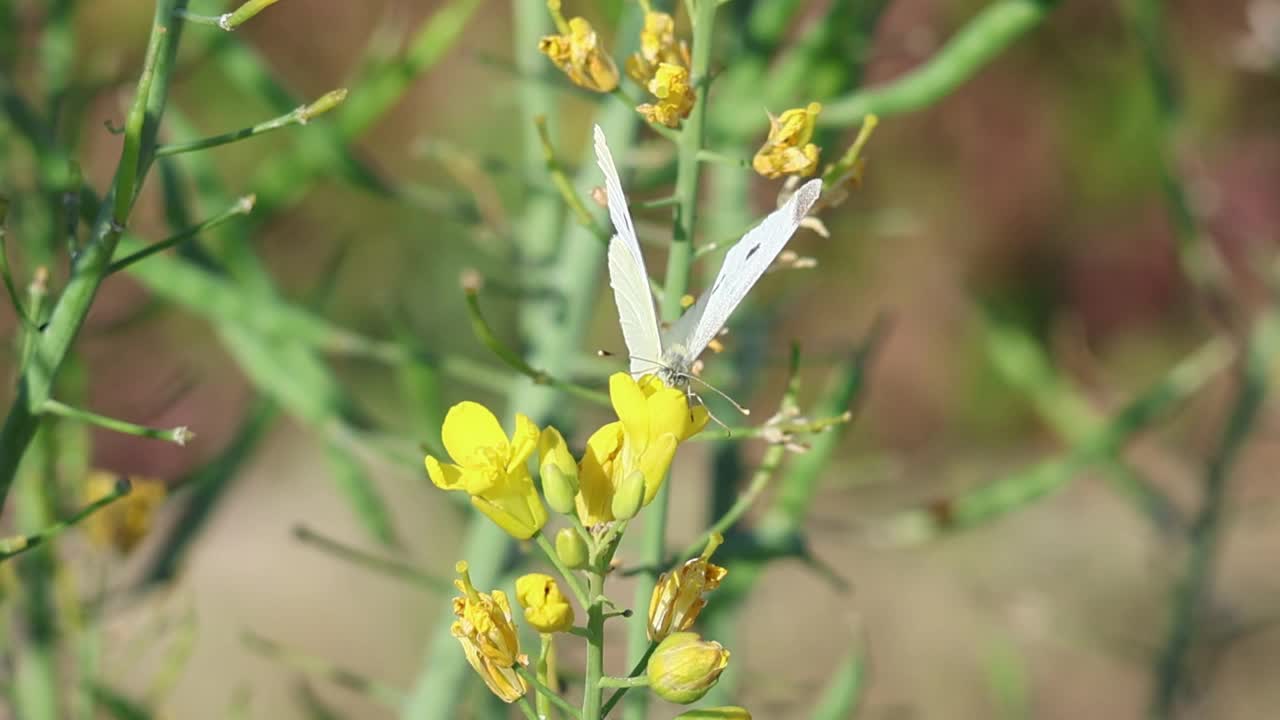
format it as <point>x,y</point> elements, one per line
<point>787,151</point>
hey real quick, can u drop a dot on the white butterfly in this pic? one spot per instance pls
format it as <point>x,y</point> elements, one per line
<point>672,354</point>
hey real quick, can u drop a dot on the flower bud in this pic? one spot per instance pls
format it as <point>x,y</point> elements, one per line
<point>684,667</point>
<point>572,549</point>
<point>558,489</point>
<point>545,607</point>
<point>559,471</point>
<point>727,712</point>
<point>629,496</point>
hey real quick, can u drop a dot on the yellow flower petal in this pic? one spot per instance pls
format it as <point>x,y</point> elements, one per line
<point>445,477</point>
<point>469,428</point>
<point>656,463</point>
<point>595,476</point>
<point>523,441</point>
<point>632,407</point>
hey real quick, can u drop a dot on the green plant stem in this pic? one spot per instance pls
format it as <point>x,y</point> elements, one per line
<point>844,688</point>
<point>299,116</point>
<point>636,670</point>
<point>624,682</point>
<point>322,669</point>
<point>973,46</point>
<point>676,284</point>
<point>546,692</point>
<point>178,435</point>
<point>386,566</point>
<point>243,206</point>
<point>6,272</point>
<point>592,693</point>
<point>1192,591</point>
<point>52,346</point>
<point>14,546</point>
<point>574,585</point>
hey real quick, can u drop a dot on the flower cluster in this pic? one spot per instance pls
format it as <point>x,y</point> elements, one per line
<point>623,466</point>
<point>788,150</point>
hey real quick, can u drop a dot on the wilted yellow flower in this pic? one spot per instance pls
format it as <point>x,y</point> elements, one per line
<point>487,634</point>
<point>123,523</point>
<point>490,468</point>
<point>670,85</point>
<point>652,420</point>
<point>685,667</point>
<point>677,596</point>
<point>787,151</point>
<point>577,53</point>
<point>658,44</point>
<point>545,607</point>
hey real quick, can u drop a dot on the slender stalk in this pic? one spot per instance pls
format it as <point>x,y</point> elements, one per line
<point>1193,589</point>
<point>679,266</point>
<point>546,649</point>
<point>592,693</point>
<point>546,692</point>
<point>243,206</point>
<point>299,116</point>
<point>178,435</point>
<point>91,265</point>
<point>14,546</point>
<point>574,585</point>
<point>976,44</point>
<point>636,670</point>
<point>386,566</point>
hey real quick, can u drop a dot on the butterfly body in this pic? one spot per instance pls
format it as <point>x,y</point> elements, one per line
<point>671,355</point>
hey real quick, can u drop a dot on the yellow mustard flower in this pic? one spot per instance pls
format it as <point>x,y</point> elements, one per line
<point>677,596</point>
<point>487,634</point>
<point>545,607</point>
<point>652,420</point>
<point>658,44</point>
<point>787,151</point>
<point>122,524</point>
<point>684,667</point>
<point>491,468</point>
<point>578,55</point>
<point>670,85</point>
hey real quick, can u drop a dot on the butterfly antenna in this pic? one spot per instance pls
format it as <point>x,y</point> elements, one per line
<point>721,393</point>
<point>710,414</point>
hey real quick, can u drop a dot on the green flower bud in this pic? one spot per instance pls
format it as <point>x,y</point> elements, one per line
<point>728,712</point>
<point>571,549</point>
<point>685,667</point>
<point>559,489</point>
<point>629,496</point>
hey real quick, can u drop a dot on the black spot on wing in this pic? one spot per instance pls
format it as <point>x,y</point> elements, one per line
<point>752,251</point>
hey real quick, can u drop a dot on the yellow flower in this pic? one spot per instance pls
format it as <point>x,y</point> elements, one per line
<point>578,55</point>
<point>677,597</point>
<point>658,44</point>
<point>123,523</point>
<point>652,420</point>
<point>545,607</point>
<point>787,151</point>
<point>490,468</point>
<point>685,667</point>
<point>670,85</point>
<point>487,634</point>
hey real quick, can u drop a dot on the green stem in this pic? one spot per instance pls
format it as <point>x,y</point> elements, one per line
<point>178,435</point>
<point>679,266</point>
<point>243,206</point>
<point>299,116</point>
<point>626,682</point>
<point>546,642</point>
<point>976,44</point>
<point>387,566</point>
<point>91,265</point>
<point>636,670</point>
<point>320,668</point>
<point>548,693</point>
<point>14,546</point>
<point>574,585</point>
<point>592,694</point>
<point>1193,589</point>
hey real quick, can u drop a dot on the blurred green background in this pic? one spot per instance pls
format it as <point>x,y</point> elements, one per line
<point>1027,205</point>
